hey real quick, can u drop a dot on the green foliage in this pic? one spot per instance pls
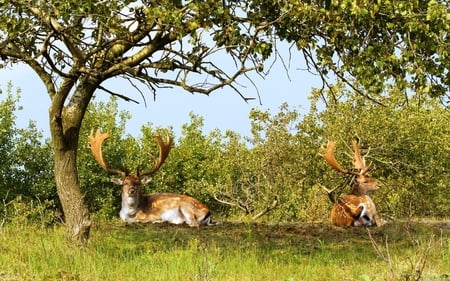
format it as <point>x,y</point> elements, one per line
<point>274,175</point>
<point>191,166</point>
<point>266,177</point>
<point>377,43</point>
<point>75,46</point>
<point>186,36</point>
<point>21,211</point>
<point>407,145</point>
<point>26,167</point>
<point>386,51</point>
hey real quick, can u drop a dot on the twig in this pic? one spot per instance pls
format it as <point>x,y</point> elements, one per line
<point>5,209</point>
<point>386,257</point>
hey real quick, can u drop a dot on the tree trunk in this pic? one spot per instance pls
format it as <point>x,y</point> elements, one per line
<point>65,124</point>
<point>76,213</point>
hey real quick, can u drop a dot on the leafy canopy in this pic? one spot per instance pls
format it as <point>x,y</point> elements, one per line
<point>403,43</point>
<point>172,42</point>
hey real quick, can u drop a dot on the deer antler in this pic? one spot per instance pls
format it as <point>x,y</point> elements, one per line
<point>331,160</point>
<point>164,148</point>
<point>95,143</point>
<point>358,160</point>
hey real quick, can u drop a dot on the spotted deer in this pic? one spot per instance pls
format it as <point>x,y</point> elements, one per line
<point>355,208</point>
<point>154,208</point>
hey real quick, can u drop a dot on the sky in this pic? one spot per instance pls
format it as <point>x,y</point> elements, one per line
<point>223,110</point>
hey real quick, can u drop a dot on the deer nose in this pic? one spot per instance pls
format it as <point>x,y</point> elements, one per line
<point>132,191</point>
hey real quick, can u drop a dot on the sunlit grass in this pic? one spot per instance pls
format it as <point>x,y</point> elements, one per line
<point>228,252</point>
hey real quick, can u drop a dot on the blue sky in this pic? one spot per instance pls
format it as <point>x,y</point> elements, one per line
<point>222,110</point>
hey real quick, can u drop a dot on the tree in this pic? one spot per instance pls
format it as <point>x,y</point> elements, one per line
<point>75,46</point>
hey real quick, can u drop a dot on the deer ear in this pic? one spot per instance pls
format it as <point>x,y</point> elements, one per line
<point>146,180</point>
<point>118,181</point>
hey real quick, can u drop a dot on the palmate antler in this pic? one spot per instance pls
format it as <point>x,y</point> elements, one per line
<point>358,161</point>
<point>164,149</point>
<point>96,141</point>
<point>331,160</point>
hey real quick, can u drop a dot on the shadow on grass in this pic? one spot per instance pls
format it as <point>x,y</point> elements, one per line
<point>285,241</point>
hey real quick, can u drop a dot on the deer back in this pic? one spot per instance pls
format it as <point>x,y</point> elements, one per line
<point>174,208</point>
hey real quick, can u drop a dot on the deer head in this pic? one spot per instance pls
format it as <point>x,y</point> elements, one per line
<point>131,182</point>
<point>363,183</point>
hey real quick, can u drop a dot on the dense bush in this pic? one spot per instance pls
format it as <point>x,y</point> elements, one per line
<point>27,186</point>
<point>275,174</point>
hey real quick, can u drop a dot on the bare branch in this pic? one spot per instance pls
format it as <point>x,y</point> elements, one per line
<point>238,205</point>
<point>117,95</point>
<point>5,209</point>
<point>266,210</point>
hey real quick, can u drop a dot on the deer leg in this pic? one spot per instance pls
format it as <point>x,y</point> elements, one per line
<point>379,221</point>
<point>357,212</point>
<point>362,218</point>
<point>206,219</point>
<point>189,216</point>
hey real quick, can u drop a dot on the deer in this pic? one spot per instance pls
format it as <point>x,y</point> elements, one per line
<point>138,207</point>
<point>355,208</point>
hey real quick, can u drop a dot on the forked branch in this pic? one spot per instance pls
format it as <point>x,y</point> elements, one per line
<point>330,192</point>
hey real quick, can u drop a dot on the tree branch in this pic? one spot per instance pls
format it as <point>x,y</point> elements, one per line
<point>117,95</point>
<point>266,210</point>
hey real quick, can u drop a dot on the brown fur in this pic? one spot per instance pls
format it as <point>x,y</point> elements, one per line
<point>355,208</point>
<point>160,207</point>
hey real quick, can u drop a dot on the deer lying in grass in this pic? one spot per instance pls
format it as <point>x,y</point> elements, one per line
<point>355,208</point>
<point>160,207</point>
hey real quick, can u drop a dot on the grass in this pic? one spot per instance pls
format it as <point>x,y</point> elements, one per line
<point>230,251</point>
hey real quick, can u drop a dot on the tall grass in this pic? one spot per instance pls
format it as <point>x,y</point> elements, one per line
<point>398,251</point>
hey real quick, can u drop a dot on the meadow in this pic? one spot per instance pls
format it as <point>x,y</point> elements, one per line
<point>406,250</point>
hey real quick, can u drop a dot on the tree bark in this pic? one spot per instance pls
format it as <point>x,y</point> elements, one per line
<point>65,125</point>
<point>77,217</point>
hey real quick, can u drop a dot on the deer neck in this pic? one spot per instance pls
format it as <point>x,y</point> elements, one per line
<point>132,204</point>
<point>357,190</point>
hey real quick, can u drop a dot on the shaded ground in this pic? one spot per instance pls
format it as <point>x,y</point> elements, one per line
<point>304,238</point>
